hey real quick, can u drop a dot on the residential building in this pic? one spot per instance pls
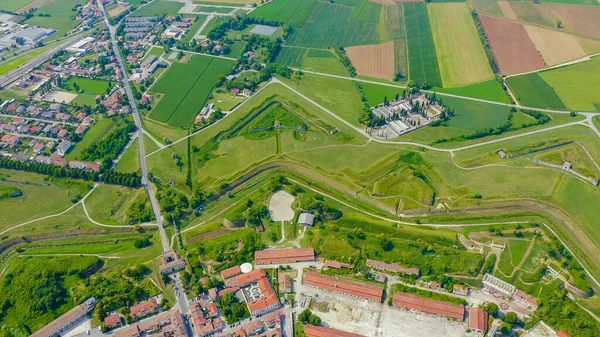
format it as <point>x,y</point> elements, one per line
<point>352,288</point>
<point>285,283</point>
<point>278,256</point>
<point>231,272</point>
<point>144,309</point>
<point>306,219</point>
<point>258,292</point>
<point>112,321</point>
<point>414,302</point>
<point>171,262</point>
<point>393,267</point>
<point>63,148</point>
<point>336,264</point>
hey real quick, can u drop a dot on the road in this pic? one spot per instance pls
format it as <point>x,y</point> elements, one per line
<point>21,70</point>
<point>49,121</point>
<point>138,122</point>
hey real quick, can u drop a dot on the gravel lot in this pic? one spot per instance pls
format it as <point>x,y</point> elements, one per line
<point>280,206</point>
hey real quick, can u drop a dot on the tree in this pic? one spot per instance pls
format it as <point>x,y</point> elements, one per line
<point>304,316</point>
<point>506,329</point>
<point>510,318</point>
<point>558,24</point>
<point>314,320</point>
<point>386,243</point>
<point>491,308</point>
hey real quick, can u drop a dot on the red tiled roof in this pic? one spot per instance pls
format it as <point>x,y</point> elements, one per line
<point>212,309</point>
<point>112,320</point>
<point>270,256</point>
<point>251,277</point>
<point>412,301</point>
<point>321,331</point>
<point>231,272</point>
<point>268,297</point>
<point>478,319</point>
<point>144,308</point>
<point>336,264</point>
<point>563,334</point>
<point>222,293</point>
<point>358,289</point>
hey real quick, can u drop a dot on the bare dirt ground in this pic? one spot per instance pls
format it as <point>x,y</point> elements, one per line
<point>280,206</point>
<point>508,39</point>
<point>555,47</point>
<point>34,4</point>
<point>507,10</point>
<point>583,20</point>
<point>376,60</point>
<point>60,96</point>
<point>117,10</point>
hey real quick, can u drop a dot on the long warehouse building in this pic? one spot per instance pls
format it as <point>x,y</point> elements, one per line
<point>411,301</point>
<point>357,289</point>
<point>277,256</point>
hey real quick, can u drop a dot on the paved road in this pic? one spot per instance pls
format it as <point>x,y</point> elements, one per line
<point>15,74</point>
<point>140,130</point>
<point>49,121</point>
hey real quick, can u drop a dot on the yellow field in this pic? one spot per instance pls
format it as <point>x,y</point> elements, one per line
<point>555,47</point>
<point>460,53</point>
<point>590,46</point>
<point>507,10</point>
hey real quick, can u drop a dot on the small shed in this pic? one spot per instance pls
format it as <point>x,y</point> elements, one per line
<point>306,219</point>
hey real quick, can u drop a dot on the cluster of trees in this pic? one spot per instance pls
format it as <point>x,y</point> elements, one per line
<point>173,202</point>
<point>121,178</point>
<point>233,310</point>
<point>112,145</point>
<point>140,211</point>
<point>484,41</point>
<point>341,53</point>
<point>256,213</point>
<point>307,317</point>
<point>142,242</point>
<point>239,22</point>
<point>562,313</point>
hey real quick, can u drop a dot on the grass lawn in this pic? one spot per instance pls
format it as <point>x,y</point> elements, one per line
<point>292,12</point>
<point>489,90</point>
<point>577,85</point>
<point>159,7</point>
<point>377,93</point>
<point>474,115</point>
<point>87,85</point>
<point>98,131</point>
<point>338,95</point>
<point>454,30</point>
<point>320,60</point>
<point>518,248</point>
<point>218,10</point>
<point>62,18</point>
<point>155,51</point>
<point>130,161</point>
<point>40,197</point>
<point>531,90</point>
<point>422,56</point>
<point>9,65</point>
<point>13,5</point>
<point>108,203</point>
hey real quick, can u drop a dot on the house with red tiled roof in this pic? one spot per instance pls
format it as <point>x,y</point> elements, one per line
<point>278,256</point>
<point>563,334</point>
<point>112,321</point>
<point>231,272</point>
<point>347,287</point>
<point>478,320</point>
<point>414,302</point>
<point>144,309</point>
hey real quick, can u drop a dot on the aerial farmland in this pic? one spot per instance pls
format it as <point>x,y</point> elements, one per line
<point>306,168</point>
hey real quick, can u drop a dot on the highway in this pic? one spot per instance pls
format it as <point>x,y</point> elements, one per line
<point>138,122</point>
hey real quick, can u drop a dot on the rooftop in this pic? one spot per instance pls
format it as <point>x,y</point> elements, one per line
<point>321,331</point>
<point>270,256</point>
<point>353,288</point>
<point>412,301</point>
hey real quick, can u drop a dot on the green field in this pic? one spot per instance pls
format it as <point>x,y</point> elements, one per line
<point>13,5</point>
<point>422,58</point>
<point>130,160</point>
<point>487,6</point>
<point>293,12</point>
<point>531,12</point>
<point>573,2</point>
<point>366,11</point>
<point>395,31</point>
<point>87,85</point>
<point>330,26</point>
<point>60,16</point>
<point>159,8</point>
<point>577,85</point>
<point>185,87</point>
<point>454,30</point>
<point>473,115</point>
<point>518,248</point>
<point>96,133</point>
<point>108,203</point>
<point>319,60</point>
<point>11,64</point>
<point>531,90</point>
<point>209,9</point>
<point>489,90</point>
<point>198,22</point>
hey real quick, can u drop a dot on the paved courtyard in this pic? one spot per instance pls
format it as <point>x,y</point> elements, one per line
<point>60,96</point>
<point>280,206</point>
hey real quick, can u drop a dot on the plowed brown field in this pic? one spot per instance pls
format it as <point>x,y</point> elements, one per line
<point>376,60</point>
<point>513,49</point>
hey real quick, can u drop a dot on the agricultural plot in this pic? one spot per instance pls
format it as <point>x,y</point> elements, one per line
<point>531,90</point>
<point>292,12</point>
<point>507,10</point>
<point>366,11</point>
<point>583,21</point>
<point>373,60</point>
<point>533,13</point>
<point>292,56</point>
<point>577,85</point>
<point>573,2</point>
<point>489,90</point>
<point>324,61</point>
<point>60,16</point>
<point>159,8</point>
<point>394,21</point>
<point>473,115</point>
<point>422,57</point>
<point>487,6</point>
<point>185,87</point>
<point>330,26</point>
<point>555,47</point>
<point>508,39</point>
<point>13,5</point>
<point>460,54</point>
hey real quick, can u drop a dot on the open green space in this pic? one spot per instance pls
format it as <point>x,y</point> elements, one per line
<point>473,115</point>
<point>59,16</point>
<point>422,57</point>
<point>576,85</point>
<point>13,5</point>
<point>189,35</point>
<point>531,90</point>
<point>185,88</point>
<point>159,8</point>
<point>518,248</point>
<point>108,204</point>
<point>330,26</point>
<point>366,11</point>
<point>86,85</point>
<point>393,21</point>
<point>130,161</point>
<point>11,64</point>
<point>319,60</point>
<point>97,132</point>
<point>490,90</point>
<point>293,12</point>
